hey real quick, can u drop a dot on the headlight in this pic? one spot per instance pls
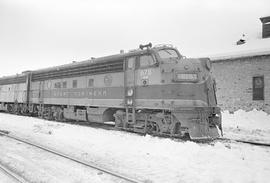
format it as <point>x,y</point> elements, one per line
<point>206,63</point>
<point>186,77</point>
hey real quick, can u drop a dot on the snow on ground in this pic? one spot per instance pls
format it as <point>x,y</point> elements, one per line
<point>153,159</point>
<point>36,165</point>
<point>253,125</point>
<point>4,178</point>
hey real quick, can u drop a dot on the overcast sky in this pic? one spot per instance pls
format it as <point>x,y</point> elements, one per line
<point>36,34</point>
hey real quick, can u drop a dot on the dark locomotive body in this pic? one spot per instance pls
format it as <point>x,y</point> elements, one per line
<point>152,90</point>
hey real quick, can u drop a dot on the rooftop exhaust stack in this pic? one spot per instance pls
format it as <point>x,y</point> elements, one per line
<point>265,26</point>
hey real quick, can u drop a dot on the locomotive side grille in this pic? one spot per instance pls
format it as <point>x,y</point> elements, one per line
<point>91,69</point>
<point>13,80</point>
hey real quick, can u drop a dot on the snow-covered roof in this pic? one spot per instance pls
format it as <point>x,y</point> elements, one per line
<point>256,47</point>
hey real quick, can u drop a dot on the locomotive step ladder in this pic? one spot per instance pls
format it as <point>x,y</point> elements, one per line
<point>129,108</point>
<point>130,115</point>
<point>130,95</point>
<point>130,85</point>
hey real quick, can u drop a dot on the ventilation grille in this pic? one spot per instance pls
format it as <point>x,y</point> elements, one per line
<point>12,80</point>
<point>90,69</point>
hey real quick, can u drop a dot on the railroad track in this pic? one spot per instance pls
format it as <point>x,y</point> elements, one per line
<point>221,139</point>
<point>87,164</point>
<point>246,142</point>
<point>11,174</point>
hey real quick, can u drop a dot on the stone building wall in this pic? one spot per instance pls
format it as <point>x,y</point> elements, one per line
<point>234,79</point>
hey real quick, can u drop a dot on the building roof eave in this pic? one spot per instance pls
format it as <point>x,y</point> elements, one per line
<point>243,54</point>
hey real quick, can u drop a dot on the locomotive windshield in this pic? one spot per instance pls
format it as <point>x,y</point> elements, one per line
<point>168,53</point>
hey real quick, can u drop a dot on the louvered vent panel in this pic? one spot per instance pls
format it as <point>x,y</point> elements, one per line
<point>90,69</point>
<point>12,80</point>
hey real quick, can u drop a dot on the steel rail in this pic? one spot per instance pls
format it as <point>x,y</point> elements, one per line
<point>12,174</point>
<point>247,142</point>
<point>115,174</point>
<point>253,143</point>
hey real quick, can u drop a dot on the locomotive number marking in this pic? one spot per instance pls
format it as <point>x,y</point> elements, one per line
<point>145,73</point>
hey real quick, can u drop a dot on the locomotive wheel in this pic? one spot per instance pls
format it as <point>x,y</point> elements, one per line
<point>9,108</point>
<point>119,117</point>
<point>152,128</point>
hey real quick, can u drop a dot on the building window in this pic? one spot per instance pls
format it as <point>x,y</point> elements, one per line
<point>74,84</point>
<point>64,84</point>
<point>91,82</point>
<point>266,26</point>
<point>258,88</point>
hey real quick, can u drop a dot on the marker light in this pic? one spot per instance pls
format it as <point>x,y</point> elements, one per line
<point>130,92</point>
<point>129,101</point>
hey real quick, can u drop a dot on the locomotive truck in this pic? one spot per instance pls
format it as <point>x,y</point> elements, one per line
<point>151,90</point>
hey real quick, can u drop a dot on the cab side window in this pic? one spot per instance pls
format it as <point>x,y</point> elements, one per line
<point>130,64</point>
<point>146,60</point>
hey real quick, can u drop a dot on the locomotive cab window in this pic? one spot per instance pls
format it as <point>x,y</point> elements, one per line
<point>130,63</point>
<point>258,88</point>
<point>146,61</point>
<point>168,53</point>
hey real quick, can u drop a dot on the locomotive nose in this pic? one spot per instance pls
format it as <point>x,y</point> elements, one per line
<point>191,70</point>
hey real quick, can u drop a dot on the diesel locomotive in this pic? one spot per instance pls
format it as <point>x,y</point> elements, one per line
<point>150,90</point>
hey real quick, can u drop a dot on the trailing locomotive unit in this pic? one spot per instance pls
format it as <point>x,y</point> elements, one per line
<point>148,90</point>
